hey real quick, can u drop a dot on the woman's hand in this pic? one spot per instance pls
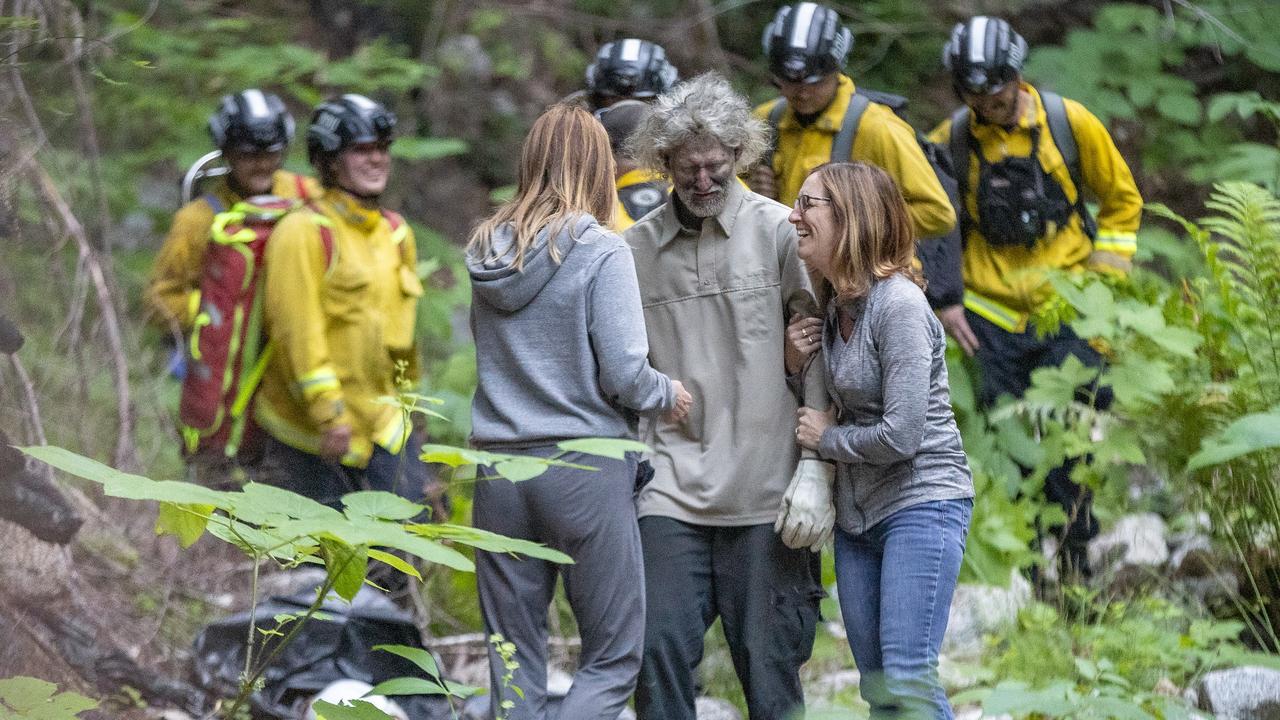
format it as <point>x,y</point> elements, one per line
<point>684,401</point>
<point>810,424</point>
<point>804,337</point>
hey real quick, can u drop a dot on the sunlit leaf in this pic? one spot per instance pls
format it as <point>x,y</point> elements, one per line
<point>346,566</point>
<point>1248,434</point>
<point>185,522</point>
<point>615,448</point>
<point>354,710</point>
<point>489,541</point>
<point>423,659</point>
<point>396,562</point>
<point>379,504</point>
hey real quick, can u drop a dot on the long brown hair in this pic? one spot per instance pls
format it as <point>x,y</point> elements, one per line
<point>874,237</point>
<point>566,170</point>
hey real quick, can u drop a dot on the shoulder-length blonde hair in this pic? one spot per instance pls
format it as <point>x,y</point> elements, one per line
<point>566,170</point>
<point>874,237</point>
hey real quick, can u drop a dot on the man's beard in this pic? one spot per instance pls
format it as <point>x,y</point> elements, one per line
<point>704,208</point>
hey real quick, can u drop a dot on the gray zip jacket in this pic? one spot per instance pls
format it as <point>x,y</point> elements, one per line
<point>896,444</point>
<point>561,350</point>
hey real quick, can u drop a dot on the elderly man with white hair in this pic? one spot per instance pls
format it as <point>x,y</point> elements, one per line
<point>719,277</point>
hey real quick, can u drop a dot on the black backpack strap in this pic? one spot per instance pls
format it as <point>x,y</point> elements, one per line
<point>842,146</point>
<point>958,144</point>
<point>1064,137</point>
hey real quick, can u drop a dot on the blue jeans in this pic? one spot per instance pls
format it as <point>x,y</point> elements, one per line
<point>895,582</point>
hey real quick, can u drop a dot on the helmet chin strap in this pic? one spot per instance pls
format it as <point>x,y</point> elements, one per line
<point>371,199</point>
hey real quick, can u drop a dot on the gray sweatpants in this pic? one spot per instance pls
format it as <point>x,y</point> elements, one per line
<point>590,516</point>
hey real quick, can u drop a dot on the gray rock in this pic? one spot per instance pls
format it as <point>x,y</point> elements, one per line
<point>1135,544</point>
<point>977,610</point>
<point>710,708</point>
<point>1243,693</point>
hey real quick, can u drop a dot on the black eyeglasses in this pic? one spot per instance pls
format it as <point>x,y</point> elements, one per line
<point>805,202</point>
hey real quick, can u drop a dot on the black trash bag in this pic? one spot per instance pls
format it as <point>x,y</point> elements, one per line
<point>338,646</point>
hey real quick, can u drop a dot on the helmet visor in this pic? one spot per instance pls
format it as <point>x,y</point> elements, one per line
<point>980,81</point>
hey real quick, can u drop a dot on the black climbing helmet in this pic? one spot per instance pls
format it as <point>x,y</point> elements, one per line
<point>806,42</point>
<point>348,120</point>
<point>984,54</point>
<point>251,121</point>
<point>630,68</point>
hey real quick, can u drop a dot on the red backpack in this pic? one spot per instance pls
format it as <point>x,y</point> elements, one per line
<point>228,352</point>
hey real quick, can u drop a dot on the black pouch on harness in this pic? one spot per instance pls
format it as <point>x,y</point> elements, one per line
<point>1017,202</point>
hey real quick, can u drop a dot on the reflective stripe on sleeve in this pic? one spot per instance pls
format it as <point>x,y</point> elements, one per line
<point>999,315</point>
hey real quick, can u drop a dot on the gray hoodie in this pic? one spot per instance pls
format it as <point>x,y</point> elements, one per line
<point>561,350</point>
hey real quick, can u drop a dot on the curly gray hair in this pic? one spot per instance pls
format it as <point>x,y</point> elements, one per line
<point>704,107</point>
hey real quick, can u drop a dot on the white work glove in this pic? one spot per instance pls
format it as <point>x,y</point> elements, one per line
<point>807,517</point>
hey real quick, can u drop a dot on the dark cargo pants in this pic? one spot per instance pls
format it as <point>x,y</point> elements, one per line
<point>765,596</point>
<point>1005,362</point>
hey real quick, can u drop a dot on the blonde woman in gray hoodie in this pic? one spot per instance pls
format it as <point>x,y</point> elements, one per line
<point>561,353</point>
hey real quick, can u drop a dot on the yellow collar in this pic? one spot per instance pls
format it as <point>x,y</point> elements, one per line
<point>352,210</point>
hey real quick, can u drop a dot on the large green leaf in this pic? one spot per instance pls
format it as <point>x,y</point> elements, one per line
<point>409,686</point>
<point>1248,434</point>
<point>185,522</point>
<point>1184,109</point>
<point>1012,697</point>
<point>378,504</point>
<point>604,447</point>
<point>423,659</point>
<point>284,502</point>
<point>391,535</point>
<point>346,565</point>
<point>355,710</point>
<point>126,485</point>
<point>485,540</point>
<point>396,562</point>
<point>28,698</point>
<point>520,469</point>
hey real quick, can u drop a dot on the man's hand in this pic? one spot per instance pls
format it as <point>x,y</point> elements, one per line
<point>762,181</point>
<point>684,401</point>
<point>958,327</point>
<point>807,516</point>
<point>335,442</point>
<point>803,338</point>
<point>810,424</point>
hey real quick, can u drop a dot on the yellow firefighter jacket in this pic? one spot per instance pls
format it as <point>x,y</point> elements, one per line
<point>337,327</point>
<point>641,199</point>
<point>1005,284</point>
<point>883,139</point>
<point>173,292</point>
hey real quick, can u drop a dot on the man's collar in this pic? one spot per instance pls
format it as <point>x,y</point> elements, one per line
<point>735,194</point>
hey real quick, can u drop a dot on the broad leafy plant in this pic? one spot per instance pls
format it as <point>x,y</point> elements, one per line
<point>269,524</point>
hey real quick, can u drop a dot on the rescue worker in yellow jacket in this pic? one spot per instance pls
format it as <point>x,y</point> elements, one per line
<point>640,190</point>
<point>340,298</point>
<point>253,129</point>
<point>807,47</point>
<point>1023,158</point>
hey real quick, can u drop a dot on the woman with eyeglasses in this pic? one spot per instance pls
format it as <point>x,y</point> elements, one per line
<point>903,492</point>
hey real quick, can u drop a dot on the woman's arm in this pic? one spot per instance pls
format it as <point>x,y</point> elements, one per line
<point>901,332</point>
<point>616,327</point>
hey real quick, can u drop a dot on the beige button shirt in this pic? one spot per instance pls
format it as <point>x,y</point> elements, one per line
<point>716,305</point>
